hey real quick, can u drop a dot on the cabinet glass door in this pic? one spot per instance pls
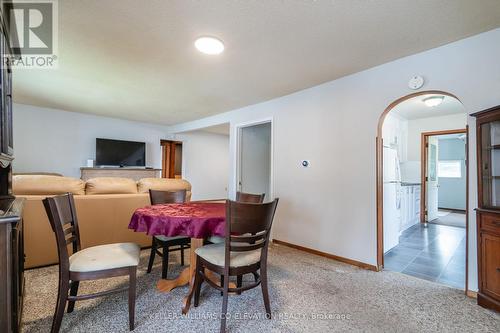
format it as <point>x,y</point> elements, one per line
<point>490,164</point>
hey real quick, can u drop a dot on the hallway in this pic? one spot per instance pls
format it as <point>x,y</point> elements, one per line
<point>434,253</point>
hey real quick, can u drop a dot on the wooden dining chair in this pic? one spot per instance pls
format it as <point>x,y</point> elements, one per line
<point>249,197</point>
<point>240,197</point>
<point>167,244</point>
<point>92,263</point>
<point>244,251</point>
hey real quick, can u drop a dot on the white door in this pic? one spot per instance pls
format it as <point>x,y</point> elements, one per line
<point>432,184</point>
<point>255,159</point>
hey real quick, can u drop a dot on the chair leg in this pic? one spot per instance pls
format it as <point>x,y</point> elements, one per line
<point>182,255</point>
<point>255,276</point>
<point>265,291</point>
<point>131,297</point>
<point>62,296</point>
<point>164,264</point>
<point>222,284</point>
<point>152,255</point>
<point>73,291</point>
<point>239,283</point>
<point>198,280</point>
<point>225,295</point>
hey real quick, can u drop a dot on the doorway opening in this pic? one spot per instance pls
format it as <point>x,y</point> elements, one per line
<point>171,152</point>
<point>254,158</point>
<point>422,232</point>
<point>443,177</point>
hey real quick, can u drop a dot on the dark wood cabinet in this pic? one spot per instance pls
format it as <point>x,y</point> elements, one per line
<point>488,211</point>
<point>11,265</point>
<point>490,258</point>
<point>11,223</point>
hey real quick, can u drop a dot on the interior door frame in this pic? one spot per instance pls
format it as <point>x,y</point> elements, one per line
<point>379,149</point>
<point>237,153</point>
<point>424,155</point>
<point>168,157</point>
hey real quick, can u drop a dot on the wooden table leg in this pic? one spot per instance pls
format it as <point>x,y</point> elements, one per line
<point>186,275</point>
<point>192,266</point>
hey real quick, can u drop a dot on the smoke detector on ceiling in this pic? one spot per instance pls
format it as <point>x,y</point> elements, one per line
<point>416,82</point>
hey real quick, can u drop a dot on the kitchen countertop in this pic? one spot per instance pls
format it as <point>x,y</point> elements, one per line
<point>410,184</point>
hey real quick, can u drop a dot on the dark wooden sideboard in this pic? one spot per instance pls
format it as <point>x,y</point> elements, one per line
<point>488,211</point>
<point>11,223</point>
<point>11,265</point>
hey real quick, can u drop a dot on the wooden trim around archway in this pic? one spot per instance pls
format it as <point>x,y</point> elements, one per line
<point>380,173</point>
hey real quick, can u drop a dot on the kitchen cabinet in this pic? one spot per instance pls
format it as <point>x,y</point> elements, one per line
<point>410,205</point>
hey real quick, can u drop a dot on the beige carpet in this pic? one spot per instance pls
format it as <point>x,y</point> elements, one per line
<point>308,294</point>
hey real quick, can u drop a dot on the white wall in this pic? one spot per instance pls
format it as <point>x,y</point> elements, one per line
<point>331,206</point>
<point>417,126</point>
<point>205,164</point>
<point>410,169</point>
<point>52,140</point>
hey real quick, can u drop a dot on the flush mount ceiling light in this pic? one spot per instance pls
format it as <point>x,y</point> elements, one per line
<point>433,101</point>
<point>209,45</point>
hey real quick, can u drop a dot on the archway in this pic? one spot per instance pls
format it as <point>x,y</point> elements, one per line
<point>380,174</point>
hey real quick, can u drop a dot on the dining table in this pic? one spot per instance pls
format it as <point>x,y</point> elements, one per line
<point>198,220</point>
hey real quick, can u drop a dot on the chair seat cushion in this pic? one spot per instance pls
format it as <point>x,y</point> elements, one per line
<point>214,253</point>
<point>216,239</point>
<point>166,238</point>
<point>102,257</point>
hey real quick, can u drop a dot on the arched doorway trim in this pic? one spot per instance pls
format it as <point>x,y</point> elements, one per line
<point>380,177</point>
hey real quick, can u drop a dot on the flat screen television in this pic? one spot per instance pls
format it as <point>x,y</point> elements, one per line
<point>120,153</point>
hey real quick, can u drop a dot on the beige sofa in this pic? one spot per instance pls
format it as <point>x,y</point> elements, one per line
<point>104,207</point>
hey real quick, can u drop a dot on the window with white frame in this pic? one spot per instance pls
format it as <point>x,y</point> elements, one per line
<point>450,169</point>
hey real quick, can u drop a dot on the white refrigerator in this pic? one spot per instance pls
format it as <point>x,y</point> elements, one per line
<point>392,198</point>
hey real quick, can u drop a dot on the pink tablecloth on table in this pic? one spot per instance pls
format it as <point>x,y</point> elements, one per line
<point>195,220</point>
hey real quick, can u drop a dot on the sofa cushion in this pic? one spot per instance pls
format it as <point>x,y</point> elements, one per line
<point>163,184</point>
<point>110,185</point>
<point>46,185</point>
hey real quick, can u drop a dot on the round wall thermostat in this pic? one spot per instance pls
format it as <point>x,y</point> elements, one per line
<point>416,82</point>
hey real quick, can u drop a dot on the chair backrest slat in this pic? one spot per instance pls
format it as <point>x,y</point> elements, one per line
<point>248,225</point>
<point>248,238</point>
<point>70,240</point>
<point>249,197</point>
<point>166,197</point>
<point>244,247</point>
<point>64,222</point>
<point>69,230</point>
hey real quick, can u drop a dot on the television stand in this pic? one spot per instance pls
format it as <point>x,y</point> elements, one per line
<point>125,172</point>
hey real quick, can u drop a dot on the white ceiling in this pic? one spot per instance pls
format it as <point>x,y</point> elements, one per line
<point>415,108</point>
<point>136,60</point>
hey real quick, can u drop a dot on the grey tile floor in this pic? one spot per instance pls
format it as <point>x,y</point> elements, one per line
<point>435,253</point>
